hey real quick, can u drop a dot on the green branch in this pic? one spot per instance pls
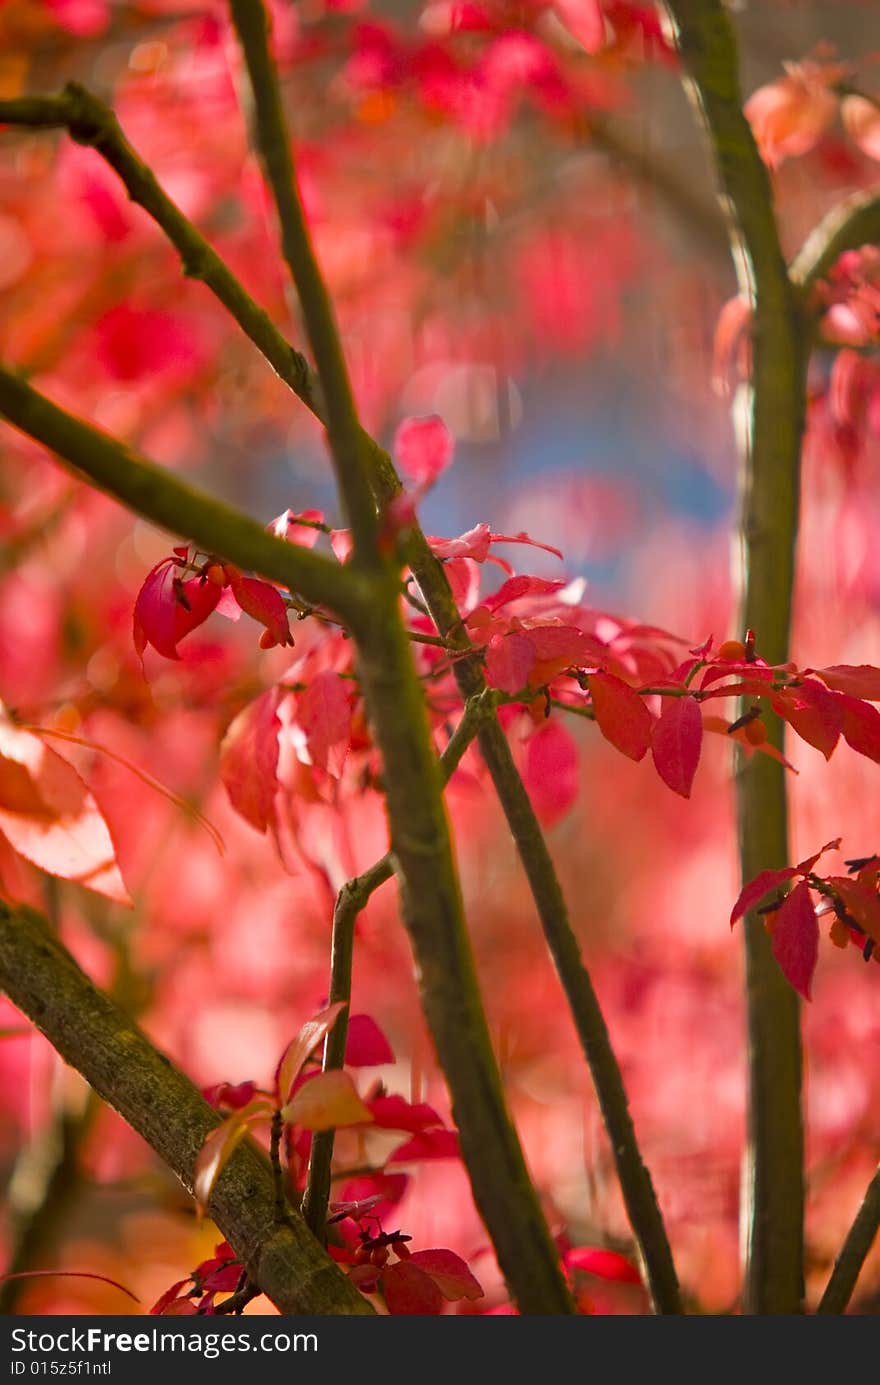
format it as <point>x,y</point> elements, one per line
<point>272,139</point>
<point>143,188</point>
<point>775,1179</point>
<point>350,901</point>
<point>849,226</point>
<point>162,1105</point>
<point>420,840</point>
<point>163,498</point>
<point>853,1252</point>
<point>635,1180</point>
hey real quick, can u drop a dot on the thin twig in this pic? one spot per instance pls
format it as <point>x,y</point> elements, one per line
<point>849,226</point>
<point>272,140</point>
<point>433,910</point>
<point>350,901</point>
<point>853,1252</point>
<point>163,498</point>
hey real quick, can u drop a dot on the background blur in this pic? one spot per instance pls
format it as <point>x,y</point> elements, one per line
<point>534,251</point>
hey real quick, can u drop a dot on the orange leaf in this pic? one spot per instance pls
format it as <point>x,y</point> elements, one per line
<point>298,1050</point>
<point>220,1145</point>
<point>326,1102</point>
<point>48,815</point>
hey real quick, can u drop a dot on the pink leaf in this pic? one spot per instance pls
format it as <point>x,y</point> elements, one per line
<point>303,529</point>
<point>509,661</point>
<point>48,816</point>
<point>474,544</point>
<point>621,714</point>
<point>265,603</point>
<point>757,889</point>
<point>424,448</point>
<point>249,759</point>
<point>607,1264</point>
<point>676,739</point>
<point>366,1045</point>
<point>324,713</point>
<point>408,1290</point>
<point>449,1272</point>
<point>524,538</point>
<point>796,938</point>
<point>551,771</point>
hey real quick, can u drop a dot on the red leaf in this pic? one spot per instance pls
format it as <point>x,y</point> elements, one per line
<point>388,1188</point>
<point>861,901</point>
<point>408,1290</point>
<point>804,867</point>
<point>815,714</point>
<point>523,537</point>
<point>796,938</point>
<point>396,1113</point>
<point>861,727</point>
<point>551,771</point>
<point>169,1297</point>
<point>366,1045</point>
<point>249,759</point>
<point>607,1264</point>
<point>509,661</point>
<point>621,715</point>
<point>757,889</point>
<point>515,588</point>
<point>449,1272</point>
<point>859,680</point>
<point>265,603</point>
<point>168,608</point>
<point>49,817</point>
<point>324,713</point>
<point>424,448</point>
<point>676,739</point>
<point>225,1095</point>
<point>427,1144</point>
<point>565,642</point>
